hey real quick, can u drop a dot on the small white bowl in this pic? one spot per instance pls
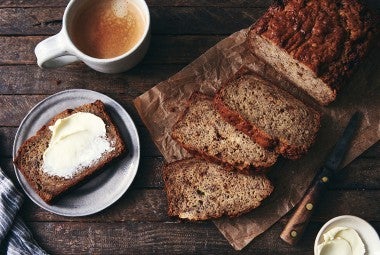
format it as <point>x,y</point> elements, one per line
<point>366,232</point>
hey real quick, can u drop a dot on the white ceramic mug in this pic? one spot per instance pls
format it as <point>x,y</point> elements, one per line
<point>59,50</point>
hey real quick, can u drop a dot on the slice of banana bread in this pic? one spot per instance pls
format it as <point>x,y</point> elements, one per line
<point>316,44</point>
<point>203,132</point>
<point>269,115</point>
<point>29,159</point>
<point>200,190</point>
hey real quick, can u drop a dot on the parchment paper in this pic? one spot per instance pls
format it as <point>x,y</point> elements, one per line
<point>160,107</point>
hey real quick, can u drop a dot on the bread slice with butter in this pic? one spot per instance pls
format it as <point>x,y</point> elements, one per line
<point>31,155</point>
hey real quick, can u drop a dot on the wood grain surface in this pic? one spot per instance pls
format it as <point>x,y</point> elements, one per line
<point>138,223</point>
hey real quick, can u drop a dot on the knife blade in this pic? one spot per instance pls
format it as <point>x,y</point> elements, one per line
<point>301,217</point>
<point>341,147</point>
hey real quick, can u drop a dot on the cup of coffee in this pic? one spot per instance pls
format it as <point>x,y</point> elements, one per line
<point>110,36</point>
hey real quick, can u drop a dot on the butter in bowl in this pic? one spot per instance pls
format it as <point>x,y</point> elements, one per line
<point>347,235</point>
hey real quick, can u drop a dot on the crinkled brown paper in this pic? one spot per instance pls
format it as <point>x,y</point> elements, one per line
<point>160,107</point>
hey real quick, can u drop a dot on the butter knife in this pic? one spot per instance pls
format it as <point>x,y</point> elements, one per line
<point>301,217</point>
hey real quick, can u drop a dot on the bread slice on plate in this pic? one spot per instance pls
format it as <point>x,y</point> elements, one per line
<point>316,44</point>
<point>200,190</point>
<point>29,159</point>
<point>270,116</point>
<point>203,132</point>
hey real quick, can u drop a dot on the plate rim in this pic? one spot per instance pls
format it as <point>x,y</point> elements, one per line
<point>136,158</point>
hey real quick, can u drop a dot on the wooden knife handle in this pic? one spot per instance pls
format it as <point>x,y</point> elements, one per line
<point>301,217</point>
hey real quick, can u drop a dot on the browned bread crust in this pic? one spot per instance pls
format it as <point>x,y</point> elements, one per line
<point>235,118</point>
<point>202,131</point>
<point>29,157</point>
<point>201,190</point>
<point>326,39</point>
<point>268,114</point>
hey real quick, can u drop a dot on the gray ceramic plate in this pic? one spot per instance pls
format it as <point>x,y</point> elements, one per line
<point>102,190</point>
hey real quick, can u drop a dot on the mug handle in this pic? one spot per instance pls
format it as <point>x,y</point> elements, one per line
<point>53,52</point>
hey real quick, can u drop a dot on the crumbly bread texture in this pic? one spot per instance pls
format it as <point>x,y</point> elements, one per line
<point>29,159</point>
<point>270,116</point>
<point>200,190</point>
<point>316,44</point>
<point>203,132</point>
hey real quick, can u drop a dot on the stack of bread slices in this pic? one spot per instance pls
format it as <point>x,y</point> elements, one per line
<point>234,137</point>
<point>316,45</point>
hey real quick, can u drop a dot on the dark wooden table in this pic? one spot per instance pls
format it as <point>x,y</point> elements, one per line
<point>138,222</point>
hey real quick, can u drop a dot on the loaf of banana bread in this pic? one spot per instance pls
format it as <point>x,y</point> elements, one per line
<point>316,44</point>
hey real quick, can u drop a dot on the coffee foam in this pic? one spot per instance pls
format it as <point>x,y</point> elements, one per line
<point>120,8</point>
<point>108,28</point>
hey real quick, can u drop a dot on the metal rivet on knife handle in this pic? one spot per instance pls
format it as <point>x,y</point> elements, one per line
<point>325,179</point>
<point>293,233</point>
<point>309,206</point>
